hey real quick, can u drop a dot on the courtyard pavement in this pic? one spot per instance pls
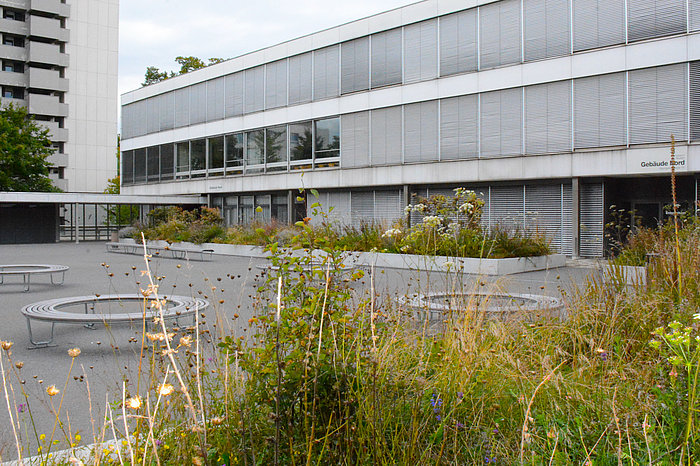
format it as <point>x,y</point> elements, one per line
<point>110,357</point>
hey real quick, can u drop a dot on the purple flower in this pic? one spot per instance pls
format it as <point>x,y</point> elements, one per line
<point>21,407</point>
<point>460,395</point>
<point>158,442</point>
<point>438,417</point>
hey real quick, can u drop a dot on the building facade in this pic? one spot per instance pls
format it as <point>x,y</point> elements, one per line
<point>59,59</point>
<point>553,111</point>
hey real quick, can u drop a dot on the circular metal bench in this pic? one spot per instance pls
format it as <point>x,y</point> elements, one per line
<point>52,311</point>
<point>27,270</point>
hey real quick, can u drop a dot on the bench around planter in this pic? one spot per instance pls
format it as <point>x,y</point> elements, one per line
<point>27,270</point>
<point>49,311</point>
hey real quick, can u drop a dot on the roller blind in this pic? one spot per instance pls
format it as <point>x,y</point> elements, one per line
<point>276,84</point>
<point>386,59</point>
<point>198,103</point>
<point>598,23</point>
<point>548,118</point>
<point>167,111</point>
<point>215,99</point>
<point>458,53</point>
<point>501,122</point>
<point>326,72</point>
<point>499,33</point>
<point>386,136</point>
<point>546,28</point>
<point>600,111</point>
<point>354,140</point>
<point>235,93</point>
<point>354,65</point>
<point>658,104</point>
<point>153,114</point>
<point>459,128</point>
<point>695,101</point>
<point>420,51</point>
<point>421,132</point>
<point>300,79</point>
<point>182,107</point>
<point>254,89</point>
<point>655,18</point>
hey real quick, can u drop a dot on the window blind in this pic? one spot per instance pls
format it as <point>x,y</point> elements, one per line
<point>600,115</point>
<point>386,136</point>
<point>421,132</point>
<point>198,103</point>
<point>598,23</point>
<point>276,84</point>
<point>546,28</point>
<point>420,51</point>
<point>354,65</point>
<point>300,79</point>
<point>254,89</point>
<point>655,18</point>
<point>548,118</point>
<point>500,33</point>
<point>458,40</point>
<point>501,122</point>
<point>235,93</point>
<point>386,59</point>
<point>326,72</point>
<point>459,127</point>
<point>354,140</point>
<point>215,99</point>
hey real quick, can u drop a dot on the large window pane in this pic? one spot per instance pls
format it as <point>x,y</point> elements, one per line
<point>127,167</point>
<point>198,157</point>
<point>234,152</point>
<point>255,148</point>
<point>328,138</point>
<point>300,141</point>
<point>153,164</point>
<point>183,158</point>
<point>140,165</point>
<point>276,144</point>
<point>167,162</point>
<point>216,153</point>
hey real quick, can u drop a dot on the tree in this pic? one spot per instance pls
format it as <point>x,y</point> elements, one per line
<point>155,75</point>
<point>24,148</point>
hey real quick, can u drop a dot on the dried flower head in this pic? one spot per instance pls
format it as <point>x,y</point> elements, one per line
<point>6,345</point>
<point>186,341</point>
<point>134,402</point>
<point>165,389</point>
<point>217,421</point>
<point>52,390</point>
<point>74,352</point>
<point>19,364</point>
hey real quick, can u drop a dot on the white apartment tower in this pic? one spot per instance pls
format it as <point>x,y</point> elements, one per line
<point>59,59</point>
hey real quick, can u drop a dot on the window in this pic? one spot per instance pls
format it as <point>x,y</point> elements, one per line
<point>354,65</point>
<point>300,141</point>
<point>153,164</point>
<point>166,162</point>
<point>12,66</point>
<point>140,165</point>
<point>216,153</point>
<point>183,159</point>
<point>255,150</point>
<point>12,92</point>
<point>328,138</point>
<point>234,153</point>
<point>276,141</point>
<point>13,14</point>
<point>198,158</point>
<point>386,58</point>
<point>13,40</point>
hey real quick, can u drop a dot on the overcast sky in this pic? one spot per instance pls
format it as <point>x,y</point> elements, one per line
<point>154,32</point>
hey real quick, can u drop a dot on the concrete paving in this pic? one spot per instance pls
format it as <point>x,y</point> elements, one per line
<point>110,356</point>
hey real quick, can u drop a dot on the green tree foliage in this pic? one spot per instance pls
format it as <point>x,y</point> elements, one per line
<point>155,75</point>
<point>24,148</point>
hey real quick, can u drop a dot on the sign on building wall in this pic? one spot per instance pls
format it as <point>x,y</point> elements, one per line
<point>657,160</point>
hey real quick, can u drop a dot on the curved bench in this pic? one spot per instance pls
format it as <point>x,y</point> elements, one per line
<point>50,311</point>
<point>27,270</point>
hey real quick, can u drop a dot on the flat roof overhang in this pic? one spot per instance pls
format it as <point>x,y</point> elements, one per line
<point>96,198</point>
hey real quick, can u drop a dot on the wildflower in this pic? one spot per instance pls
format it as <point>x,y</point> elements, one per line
<point>407,210</point>
<point>419,207</point>
<point>217,421</point>
<point>52,390</point>
<point>21,407</point>
<point>19,364</point>
<point>673,373</point>
<point>166,389</point>
<point>460,395</point>
<point>432,221</point>
<point>74,352</point>
<point>134,402</point>
<point>186,340</point>
<point>602,353</point>
<point>6,345</point>
<point>391,233</point>
<point>448,265</point>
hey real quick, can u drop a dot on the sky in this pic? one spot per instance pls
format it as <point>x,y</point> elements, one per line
<point>154,32</point>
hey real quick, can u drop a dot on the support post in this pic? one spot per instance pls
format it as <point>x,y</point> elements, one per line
<point>405,201</point>
<point>76,225</point>
<point>290,206</point>
<point>576,217</point>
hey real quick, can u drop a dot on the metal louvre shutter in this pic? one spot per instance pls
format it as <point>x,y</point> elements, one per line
<point>695,101</point>
<point>546,28</point>
<point>567,236</point>
<point>215,99</point>
<point>127,174</point>
<point>182,107</point>
<point>340,202</point>
<point>420,51</point>
<point>600,115</point>
<point>592,218</point>
<point>198,103</point>
<point>386,60</point>
<point>598,23</point>
<point>459,128</point>
<point>694,14</point>
<point>387,206</point>
<point>354,65</point>
<point>546,214</point>
<point>153,114</point>
<point>421,132</point>
<point>254,89</point>
<point>655,18</point>
<point>501,122</point>
<point>386,136</point>
<point>128,120</point>
<point>140,118</point>
<point>300,79</point>
<point>167,111</point>
<point>548,118</point>
<point>235,92</point>
<point>362,205</point>
<point>326,69</point>
<point>354,139</point>
<point>507,208</point>
<point>500,33</point>
<point>276,84</point>
<point>458,52</point>
<point>657,104</point>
